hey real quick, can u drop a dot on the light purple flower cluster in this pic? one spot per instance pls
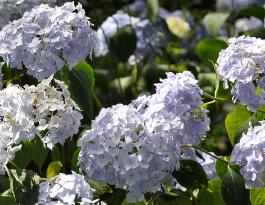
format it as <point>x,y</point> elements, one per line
<point>249,153</point>
<point>45,39</point>
<point>136,147</point>
<point>150,36</point>
<point>243,65</point>
<point>14,9</point>
<point>66,189</point>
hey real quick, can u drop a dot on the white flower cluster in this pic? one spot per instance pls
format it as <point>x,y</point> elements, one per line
<point>65,189</point>
<point>46,38</point>
<point>136,147</point>
<point>150,36</point>
<point>16,121</point>
<point>55,113</point>
<point>42,110</point>
<point>243,64</point>
<point>245,24</point>
<point>13,9</point>
<point>249,153</point>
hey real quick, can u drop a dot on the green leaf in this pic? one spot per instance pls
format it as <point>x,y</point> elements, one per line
<point>235,122</point>
<point>74,161</point>
<point>257,196</point>
<point>56,153</point>
<point>81,87</point>
<point>207,81</point>
<point>233,188</point>
<point>4,183</point>
<point>125,202</point>
<point>190,175</point>
<point>38,152</point>
<point>257,32</point>
<point>22,157</point>
<point>7,198</point>
<point>116,197</point>
<point>172,199</point>
<point>100,188</point>
<point>153,8</point>
<point>208,50</point>
<point>178,27</point>
<point>31,150</point>
<point>54,169</point>
<point>214,21</point>
<point>24,185</point>
<point>252,10</point>
<point>124,82</point>
<point>211,195</point>
<point>221,168</point>
<point>123,43</point>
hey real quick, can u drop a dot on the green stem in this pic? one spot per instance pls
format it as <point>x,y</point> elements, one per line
<point>66,156</point>
<point>215,98</point>
<point>203,150</point>
<point>98,103</point>
<point>194,199</point>
<point>13,165</point>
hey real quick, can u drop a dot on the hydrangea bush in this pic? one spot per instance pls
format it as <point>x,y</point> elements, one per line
<point>132,102</point>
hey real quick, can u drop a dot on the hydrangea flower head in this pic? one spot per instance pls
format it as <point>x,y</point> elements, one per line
<point>43,110</point>
<point>249,153</point>
<point>16,122</point>
<point>65,189</point>
<point>14,9</point>
<point>45,39</point>
<point>177,103</point>
<point>150,36</point>
<point>117,150</point>
<point>136,147</point>
<point>54,112</point>
<point>243,65</point>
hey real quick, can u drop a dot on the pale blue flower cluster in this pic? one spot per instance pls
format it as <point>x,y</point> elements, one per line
<point>45,39</point>
<point>224,5</point>
<point>177,102</point>
<point>243,65</point>
<point>249,153</point>
<point>245,24</point>
<point>66,189</point>
<point>14,9</point>
<point>136,147</point>
<point>150,36</point>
